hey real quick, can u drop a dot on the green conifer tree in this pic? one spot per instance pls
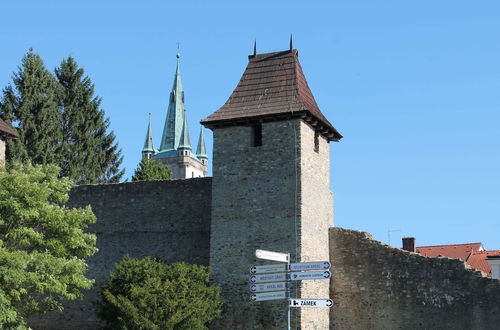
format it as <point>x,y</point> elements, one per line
<point>33,105</point>
<point>89,153</point>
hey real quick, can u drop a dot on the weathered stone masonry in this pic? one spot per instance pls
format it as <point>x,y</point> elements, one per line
<point>169,220</point>
<point>375,286</point>
<point>274,197</point>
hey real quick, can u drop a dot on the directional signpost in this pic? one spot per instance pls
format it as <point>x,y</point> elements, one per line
<point>268,296</point>
<point>277,286</point>
<point>271,282</point>
<point>270,255</point>
<point>317,265</point>
<point>311,302</point>
<point>279,277</point>
<point>299,276</point>
<point>276,268</point>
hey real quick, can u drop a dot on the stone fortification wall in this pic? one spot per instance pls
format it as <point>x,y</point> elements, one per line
<point>375,286</point>
<point>166,219</point>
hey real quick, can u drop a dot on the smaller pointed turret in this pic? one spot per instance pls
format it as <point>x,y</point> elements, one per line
<point>201,150</point>
<point>184,142</point>
<point>148,150</point>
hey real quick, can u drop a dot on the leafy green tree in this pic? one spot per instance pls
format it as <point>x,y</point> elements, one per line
<point>89,153</point>
<point>33,104</point>
<point>42,243</point>
<point>150,169</point>
<point>147,294</point>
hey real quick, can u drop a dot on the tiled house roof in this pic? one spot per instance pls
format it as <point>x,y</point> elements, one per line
<point>273,86</point>
<point>472,253</point>
<point>7,131</point>
<point>477,260</point>
<point>457,251</point>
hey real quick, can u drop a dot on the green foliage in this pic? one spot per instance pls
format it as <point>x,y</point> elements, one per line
<point>35,108</point>
<point>150,169</point>
<point>89,153</point>
<point>60,122</point>
<point>42,243</point>
<point>147,294</point>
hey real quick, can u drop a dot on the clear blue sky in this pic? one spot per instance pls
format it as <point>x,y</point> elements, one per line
<point>413,86</point>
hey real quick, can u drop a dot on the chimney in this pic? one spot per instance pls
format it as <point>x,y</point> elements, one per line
<point>409,244</point>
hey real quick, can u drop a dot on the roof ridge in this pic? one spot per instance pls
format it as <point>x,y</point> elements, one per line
<point>424,246</point>
<point>485,251</point>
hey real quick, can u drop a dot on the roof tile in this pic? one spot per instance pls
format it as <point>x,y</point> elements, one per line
<point>6,130</point>
<point>477,260</point>
<point>457,251</point>
<point>272,84</point>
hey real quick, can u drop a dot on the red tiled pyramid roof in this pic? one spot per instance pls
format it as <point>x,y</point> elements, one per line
<point>457,251</point>
<point>272,85</point>
<point>6,130</point>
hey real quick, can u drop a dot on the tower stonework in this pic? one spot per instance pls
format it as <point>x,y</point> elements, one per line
<point>270,190</point>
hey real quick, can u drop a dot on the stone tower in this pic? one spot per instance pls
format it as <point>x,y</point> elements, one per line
<point>175,147</point>
<point>270,188</point>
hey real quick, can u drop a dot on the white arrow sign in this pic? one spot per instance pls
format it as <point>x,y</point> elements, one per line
<point>270,255</point>
<point>278,286</point>
<point>268,278</point>
<point>276,268</point>
<point>268,296</point>
<point>315,265</point>
<point>311,302</point>
<point>299,276</point>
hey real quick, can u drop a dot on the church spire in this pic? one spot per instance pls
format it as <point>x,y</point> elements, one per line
<point>175,115</point>
<point>148,150</point>
<point>185,142</point>
<point>201,150</point>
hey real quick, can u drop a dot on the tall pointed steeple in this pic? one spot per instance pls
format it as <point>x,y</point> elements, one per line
<point>185,142</point>
<point>148,149</point>
<point>175,115</point>
<point>175,149</point>
<point>201,150</point>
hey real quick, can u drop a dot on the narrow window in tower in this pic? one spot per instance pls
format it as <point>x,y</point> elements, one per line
<point>257,135</point>
<point>316,141</point>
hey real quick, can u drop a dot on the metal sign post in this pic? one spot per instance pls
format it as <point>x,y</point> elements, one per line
<point>289,288</point>
<point>310,302</point>
<point>273,282</point>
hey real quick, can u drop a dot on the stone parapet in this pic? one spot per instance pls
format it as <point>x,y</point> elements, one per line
<point>376,286</point>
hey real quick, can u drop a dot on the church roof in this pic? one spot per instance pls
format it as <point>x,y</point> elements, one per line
<point>272,86</point>
<point>174,121</point>
<point>184,141</point>
<point>148,143</point>
<point>6,130</point>
<point>201,150</point>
